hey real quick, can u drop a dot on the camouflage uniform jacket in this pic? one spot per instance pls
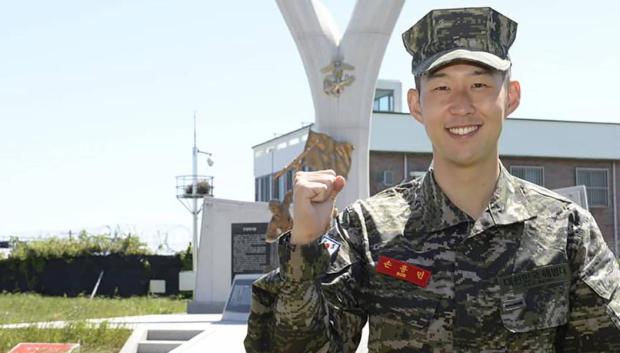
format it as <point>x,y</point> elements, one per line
<point>532,274</point>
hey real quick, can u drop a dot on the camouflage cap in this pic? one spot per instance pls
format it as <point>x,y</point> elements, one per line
<point>475,34</point>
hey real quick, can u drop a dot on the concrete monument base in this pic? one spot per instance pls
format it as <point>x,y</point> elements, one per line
<point>232,241</point>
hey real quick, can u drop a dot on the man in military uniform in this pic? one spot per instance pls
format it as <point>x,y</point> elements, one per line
<point>467,258</point>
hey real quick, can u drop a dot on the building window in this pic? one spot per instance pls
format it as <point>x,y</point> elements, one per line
<point>289,180</point>
<point>534,175</point>
<point>256,183</point>
<point>595,180</point>
<point>384,100</point>
<point>263,188</point>
<point>276,187</point>
<point>282,187</point>
<point>387,178</point>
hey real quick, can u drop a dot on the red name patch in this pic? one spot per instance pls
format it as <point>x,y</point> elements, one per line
<point>403,270</point>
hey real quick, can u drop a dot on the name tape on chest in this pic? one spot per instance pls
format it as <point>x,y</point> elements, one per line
<point>403,271</point>
<point>539,276</point>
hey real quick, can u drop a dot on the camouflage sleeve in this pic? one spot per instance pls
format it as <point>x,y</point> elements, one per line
<point>311,303</point>
<point>594,318</point>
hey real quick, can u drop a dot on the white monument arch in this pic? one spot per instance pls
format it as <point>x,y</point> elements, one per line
<point>342,71</point>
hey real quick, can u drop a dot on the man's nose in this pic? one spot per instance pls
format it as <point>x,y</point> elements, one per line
<point>462,103</point>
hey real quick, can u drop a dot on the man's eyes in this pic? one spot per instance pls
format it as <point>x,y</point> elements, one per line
<point>479,85</point>
<point>447,88</point>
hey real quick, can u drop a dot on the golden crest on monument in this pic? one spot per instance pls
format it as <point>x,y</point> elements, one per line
<point>338,79</point>
<point>322,152</point>
<point>281,219</point>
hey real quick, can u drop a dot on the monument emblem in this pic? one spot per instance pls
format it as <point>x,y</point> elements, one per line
<point>337,80</point>
<point>321,152</point>
<point>363,44</point>
<point>281,219</point>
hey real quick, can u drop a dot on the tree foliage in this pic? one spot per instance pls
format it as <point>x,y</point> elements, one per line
<point>82,245</point>
<point>186,258</point>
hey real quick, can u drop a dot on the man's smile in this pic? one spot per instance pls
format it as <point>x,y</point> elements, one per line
<point>463,131</point>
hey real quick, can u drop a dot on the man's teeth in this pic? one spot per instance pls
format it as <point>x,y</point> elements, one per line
<point>463,130</point>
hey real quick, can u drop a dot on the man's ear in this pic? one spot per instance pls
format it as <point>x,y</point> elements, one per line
<point>415,109</point>
<point>514,97</point>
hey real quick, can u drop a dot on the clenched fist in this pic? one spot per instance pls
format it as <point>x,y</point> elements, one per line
<point>313,205</point>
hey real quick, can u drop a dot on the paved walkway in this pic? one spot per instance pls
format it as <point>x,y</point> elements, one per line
<point>216,333</point>
<point>165,321</point>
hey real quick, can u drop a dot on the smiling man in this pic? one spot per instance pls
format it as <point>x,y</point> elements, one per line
<point>467,258</point>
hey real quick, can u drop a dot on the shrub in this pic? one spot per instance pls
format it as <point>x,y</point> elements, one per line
<point>83,245</point>
<point>186,258</point>
<point>202,188</point>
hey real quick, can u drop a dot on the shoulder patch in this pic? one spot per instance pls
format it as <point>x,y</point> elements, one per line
<point>330,244</point>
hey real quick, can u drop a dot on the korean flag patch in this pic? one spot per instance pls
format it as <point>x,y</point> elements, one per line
<point>330,244</point>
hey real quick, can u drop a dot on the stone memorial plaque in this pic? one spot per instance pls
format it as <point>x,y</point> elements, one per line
<point>250,252</point>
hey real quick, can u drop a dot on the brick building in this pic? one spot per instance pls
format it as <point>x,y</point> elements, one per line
<point>551,153</point>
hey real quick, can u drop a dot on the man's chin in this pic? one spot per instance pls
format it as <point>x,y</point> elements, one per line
<point>461,160</point>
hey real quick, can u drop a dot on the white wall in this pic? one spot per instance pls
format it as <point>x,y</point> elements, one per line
<point>213,277</point>
<point>546,138</point>
<point>282,149</point>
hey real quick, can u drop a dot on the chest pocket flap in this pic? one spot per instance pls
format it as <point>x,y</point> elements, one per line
<point>536,299</point>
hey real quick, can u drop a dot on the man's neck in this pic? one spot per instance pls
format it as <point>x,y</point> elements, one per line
<point>471,188</point>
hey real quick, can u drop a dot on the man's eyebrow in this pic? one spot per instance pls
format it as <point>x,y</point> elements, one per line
<point>482,71</point>
<point>476,72</point>
<point>435,74</point>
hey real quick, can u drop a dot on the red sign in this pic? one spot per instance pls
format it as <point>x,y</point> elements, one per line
<point>403,270</point>
<point>44,348</point>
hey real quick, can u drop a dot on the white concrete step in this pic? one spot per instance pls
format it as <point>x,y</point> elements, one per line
<point>158,346</point>
<point>158,340</point>
<point>171,335</point>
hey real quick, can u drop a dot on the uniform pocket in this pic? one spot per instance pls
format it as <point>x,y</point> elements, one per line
<point>401,301</point>
<point>400,319</point>
<point>400,322</point>
<point>534,304</point>
<point>410,311</point>
<point>613,308</point>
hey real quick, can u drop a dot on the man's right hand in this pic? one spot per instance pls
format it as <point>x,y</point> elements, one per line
<point>313,205</point>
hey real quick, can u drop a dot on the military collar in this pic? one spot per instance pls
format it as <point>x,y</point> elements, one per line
<point>508,205</point>
<point>432,210</point>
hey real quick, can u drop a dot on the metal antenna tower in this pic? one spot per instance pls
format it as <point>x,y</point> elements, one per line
<point>191,188</point>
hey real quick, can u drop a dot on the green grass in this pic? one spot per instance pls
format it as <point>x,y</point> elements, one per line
<point>17,308</point>
<point>99,339</point>
<point>22,308</point>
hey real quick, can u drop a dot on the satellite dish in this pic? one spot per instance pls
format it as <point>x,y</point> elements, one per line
<point>209,161</point>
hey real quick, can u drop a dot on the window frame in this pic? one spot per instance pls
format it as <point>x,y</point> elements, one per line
<point>390,100</point>
<point>383,177</point>
<point>542,169</point>
<point>606,170</point>
<point>264,188</point>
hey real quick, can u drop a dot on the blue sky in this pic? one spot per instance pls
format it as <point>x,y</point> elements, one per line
<point>97,97</point>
